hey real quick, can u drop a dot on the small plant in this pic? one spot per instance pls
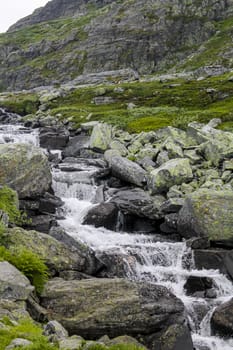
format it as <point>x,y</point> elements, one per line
<point>10,205</point>
<point>29,263</point>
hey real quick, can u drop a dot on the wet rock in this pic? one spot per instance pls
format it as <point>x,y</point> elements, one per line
<point>173,172</point>
<point>75,144</point>
<point>49,203</point>
<point>138,202</point>
<point>33,176</point>
<point>198,284</point>
<point>13,284</point>
<point>212,259</point>
<point>101,137</point>
<point>207,213</point>
<point>102,215</point>
<point>95,307</point>
<point>53,137</point>
<point>176,337</point>
<point>172,205</point>
<point>127,171</point>
<point>198,243</point>
<point>222,320</point>
<point>228,262</point>
<point>40,223</point>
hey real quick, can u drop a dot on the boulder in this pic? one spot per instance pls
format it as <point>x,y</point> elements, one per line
<point>173,172</point>
<point>138,202</point>
<point>24,168</point>
<point>207,213</point>
<point>176,337</point>
<point>55,331</point>
<point>222,319</point>
<point>198,284</point>
<point>101,137</point>
<point>54,137</point>
<point>13,284</point>
<point>72,343</point>
<point>128,171</point>
<point>75,145</point>
<point>210,259</point>
<point>95,307</point>
<point>102,215</point>
<point>19,343</point>
<point>125,340</point>
<point>56,255</point>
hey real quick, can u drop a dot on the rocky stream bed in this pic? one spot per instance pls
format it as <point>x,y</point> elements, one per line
<point>136,231</point>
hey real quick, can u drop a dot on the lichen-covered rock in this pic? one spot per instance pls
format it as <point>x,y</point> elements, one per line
<point>207,213</point>
<point>24,168</point>
<point>95,307</point>
<point>101,137</point>
<point>176,337</point>
<point>19,343</point>
<point>72,343</point>
<point>127,170</point>
<point>57,255</point>
<point>173,172</point>
<point>13,284</point>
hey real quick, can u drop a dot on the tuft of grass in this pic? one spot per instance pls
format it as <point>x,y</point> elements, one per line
<point>26,329</point>
<point>23,104</point>
<point>29,263</point>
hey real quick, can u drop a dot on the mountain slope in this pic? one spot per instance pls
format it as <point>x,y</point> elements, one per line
<point>74,37</point>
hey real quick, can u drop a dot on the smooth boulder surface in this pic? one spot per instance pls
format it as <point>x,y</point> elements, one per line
<point>13,284</point>
<point>128,171</point>
<point>173,172</point>
<point>207,213</point>
<point>24,168</point>
<point>95,307</point>
<point>222,319</point>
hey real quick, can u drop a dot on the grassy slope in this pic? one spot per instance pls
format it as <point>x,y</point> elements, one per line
<point>158,104</point>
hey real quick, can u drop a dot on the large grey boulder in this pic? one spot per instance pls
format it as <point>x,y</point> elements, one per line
<point>13,284</point>
<point>57,255</point>
<point>101,137</point>
<point>207,213</point>
<point>95,307</point>
<point>173,172</point>
<point>127,170</point>
<point>138,202</point>
<point>24,168</point>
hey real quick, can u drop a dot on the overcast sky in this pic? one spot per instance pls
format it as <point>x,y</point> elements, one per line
<point>12,10</point>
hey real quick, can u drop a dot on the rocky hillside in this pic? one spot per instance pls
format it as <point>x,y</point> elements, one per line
<point>66,38</point>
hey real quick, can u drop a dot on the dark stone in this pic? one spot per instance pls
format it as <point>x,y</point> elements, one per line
<point>176,337</point>
<point>41,223</point>
<point>75,144</point>
<point>197,284</point>
<point>222,320</point>
<point>228,262</point>
<point>172,205</point>
<point>37,312</point>
<point>49,203</point>
<point>53,137</point>
<point>102,215</point>
<point>198,243</point>
<point>210,259</point>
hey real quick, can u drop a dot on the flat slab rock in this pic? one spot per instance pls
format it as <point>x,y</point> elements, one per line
<point>95,307</point>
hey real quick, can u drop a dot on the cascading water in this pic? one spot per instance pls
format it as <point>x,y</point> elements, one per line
<point>145,258</point>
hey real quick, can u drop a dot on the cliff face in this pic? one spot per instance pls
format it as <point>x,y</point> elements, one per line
<point>67,38</point>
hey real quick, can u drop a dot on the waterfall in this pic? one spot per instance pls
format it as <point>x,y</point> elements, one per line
<point>145,257</point>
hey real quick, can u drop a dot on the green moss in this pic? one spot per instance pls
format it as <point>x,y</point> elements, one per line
<point>21,103</point>
<point>29,263</point>
<point>9,204</point>
<point>26,329</point>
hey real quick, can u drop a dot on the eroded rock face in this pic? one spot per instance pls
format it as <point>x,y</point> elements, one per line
<point>24,168</point>
<point>207,213</point>
<point>95,307</point>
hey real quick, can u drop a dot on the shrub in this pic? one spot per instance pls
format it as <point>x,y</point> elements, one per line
<point>29,263</point>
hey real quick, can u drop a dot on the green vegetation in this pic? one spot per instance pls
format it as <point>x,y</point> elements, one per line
<point>9,204</point>
<point>29,263</point>
<point>25,329</point>
<point>21,103</point>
